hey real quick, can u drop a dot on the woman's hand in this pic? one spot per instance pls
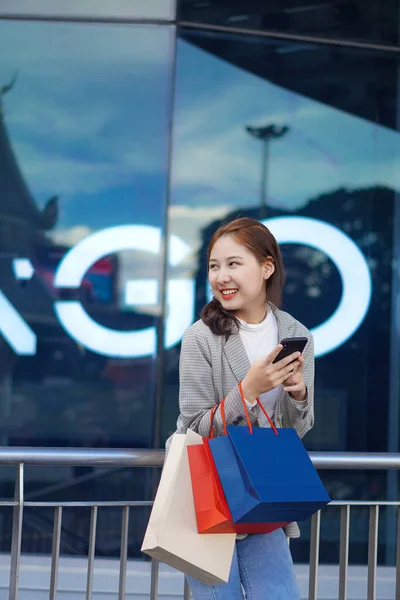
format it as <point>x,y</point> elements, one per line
<point>294,384</point>
<point>264,376</point>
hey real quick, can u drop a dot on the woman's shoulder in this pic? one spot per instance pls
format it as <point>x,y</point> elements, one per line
<point>199,339</point>
<point>290,324</point>
<point>199,331</point>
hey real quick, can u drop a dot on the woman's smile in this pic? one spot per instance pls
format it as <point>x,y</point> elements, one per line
<point>229,293</point>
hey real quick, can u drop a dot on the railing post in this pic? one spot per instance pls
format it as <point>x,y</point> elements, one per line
<point>344,551</point>
<point>124,553</point>
<point>314,556</point>
<point>91,554</point>
<point>55,553</point>
<point>372,551</point>
<point>155,571</point>
<point>16,533</point>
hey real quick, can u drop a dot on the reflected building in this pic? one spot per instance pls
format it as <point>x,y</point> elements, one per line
<point>144,123</point>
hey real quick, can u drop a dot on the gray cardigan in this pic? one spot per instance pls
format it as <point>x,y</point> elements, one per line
<point>210,369</point>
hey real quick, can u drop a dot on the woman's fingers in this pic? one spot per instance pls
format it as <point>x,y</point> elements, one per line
<point>272,355</point>
<point>293,388</point>
<point>290,368</point>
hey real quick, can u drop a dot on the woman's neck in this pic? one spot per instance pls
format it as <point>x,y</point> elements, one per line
<point>254,316</point>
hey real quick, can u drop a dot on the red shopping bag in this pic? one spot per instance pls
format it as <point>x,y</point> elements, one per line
<point>212,511</point>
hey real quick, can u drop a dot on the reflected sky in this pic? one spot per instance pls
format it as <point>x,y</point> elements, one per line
<point>88,119</point>
<point>217,165</point>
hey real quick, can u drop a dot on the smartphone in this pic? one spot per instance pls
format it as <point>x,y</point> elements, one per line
<point>290,345</point>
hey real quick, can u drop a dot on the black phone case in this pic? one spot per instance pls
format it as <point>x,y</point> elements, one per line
<point>290,345</point>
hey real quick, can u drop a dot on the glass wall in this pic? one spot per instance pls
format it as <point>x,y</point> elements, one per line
<point>84,138</point>
<point>325,180</point>
<point>122,146</point>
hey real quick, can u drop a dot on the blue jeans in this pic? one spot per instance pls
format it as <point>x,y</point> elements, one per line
<point>262,566</point>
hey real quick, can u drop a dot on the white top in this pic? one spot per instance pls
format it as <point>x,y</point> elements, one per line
<point>259,340</point>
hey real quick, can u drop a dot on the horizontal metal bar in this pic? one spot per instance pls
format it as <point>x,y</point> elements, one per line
<point>117,503</point>
<point>81,456</point>
<point>364,503</point>
<point>155,458</point>
<point>355,460</point>
<point>149,503</point>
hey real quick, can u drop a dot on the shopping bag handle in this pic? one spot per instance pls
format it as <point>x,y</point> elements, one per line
<point>245,410</point>
<point>222,405</point>
<point>262,408</point>
<point>212,413</point>
<point>223,416</point>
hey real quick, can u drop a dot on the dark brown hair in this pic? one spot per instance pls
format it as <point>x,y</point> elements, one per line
<point>254,236</point>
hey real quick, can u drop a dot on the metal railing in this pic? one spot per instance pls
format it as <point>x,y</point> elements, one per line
<point>20,457</point>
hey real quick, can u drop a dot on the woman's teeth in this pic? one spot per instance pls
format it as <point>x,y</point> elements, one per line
<point>227,293</point>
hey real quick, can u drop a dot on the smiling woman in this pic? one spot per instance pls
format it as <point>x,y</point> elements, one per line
<point>228,357</point>
<point>245,269</point>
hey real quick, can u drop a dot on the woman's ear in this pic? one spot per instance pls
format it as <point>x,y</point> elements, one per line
<point>269,267</point>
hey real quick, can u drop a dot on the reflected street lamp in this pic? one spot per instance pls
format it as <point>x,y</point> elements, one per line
<point>266,134</point>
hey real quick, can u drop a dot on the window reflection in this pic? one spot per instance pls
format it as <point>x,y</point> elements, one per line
<point>327,156</point>
<point>369,21</point>
<point>83,147</point>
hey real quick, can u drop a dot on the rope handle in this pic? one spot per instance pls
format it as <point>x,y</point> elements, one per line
<point>262,408</point>
<point>223,416</point>
<point>212,413</point>
<point>222,405</point>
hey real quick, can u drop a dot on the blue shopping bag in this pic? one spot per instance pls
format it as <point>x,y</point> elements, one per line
<point>266,474</point>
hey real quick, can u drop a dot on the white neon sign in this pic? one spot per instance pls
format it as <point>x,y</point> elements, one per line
<point>335,331</point>
<point>123,344</point>
<point>352,267</point>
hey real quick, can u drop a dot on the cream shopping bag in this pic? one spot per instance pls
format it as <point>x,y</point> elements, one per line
<point>171,536</point>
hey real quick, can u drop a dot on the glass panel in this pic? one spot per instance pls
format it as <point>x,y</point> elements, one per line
<point>83,166</point>
<point>122,9</point>
<point>324,175</point>
<point>84,129</point>
<point>357,20</point>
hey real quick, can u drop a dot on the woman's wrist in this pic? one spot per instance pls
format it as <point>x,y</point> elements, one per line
<point>248,393</point>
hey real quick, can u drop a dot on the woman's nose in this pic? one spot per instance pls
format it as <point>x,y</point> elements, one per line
<point>223,276</point>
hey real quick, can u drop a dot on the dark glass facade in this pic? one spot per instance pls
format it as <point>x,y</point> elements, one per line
<point>122,146</point>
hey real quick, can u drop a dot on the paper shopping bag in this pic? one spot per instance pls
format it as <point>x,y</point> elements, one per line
<point>266,474</point>
<point>172,536</point>
<point>212,511</point>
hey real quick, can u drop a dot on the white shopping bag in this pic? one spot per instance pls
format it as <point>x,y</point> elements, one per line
<point>171,536</point>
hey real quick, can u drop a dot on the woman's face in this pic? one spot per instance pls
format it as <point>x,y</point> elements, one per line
<point>238,280</point>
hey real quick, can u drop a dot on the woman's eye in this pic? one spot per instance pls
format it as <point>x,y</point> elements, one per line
<point>233,263</point>
<point>212,267</point>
